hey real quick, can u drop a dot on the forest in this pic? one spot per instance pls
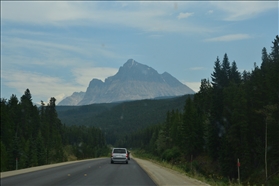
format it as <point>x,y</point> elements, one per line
<point>234,116</point>
<point>32,136</point>
<point>119,119</point>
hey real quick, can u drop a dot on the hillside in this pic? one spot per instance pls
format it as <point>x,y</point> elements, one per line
<point>119,119</point>
<point>133,81</point>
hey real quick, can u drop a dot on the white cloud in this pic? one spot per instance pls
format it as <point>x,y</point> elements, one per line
<point>242,10</point>
<point>85,75</point>
<point>58,51</point>
<point>184,15</point>
<point>197,68</point>
<point>57,54</point>
<point>155,36</point>
<point>48,47</point>
<point>45,87</point>
<point>146,16</point>
<point>230,37</point>
<point>195,86</point>
<point>42,12</point>
<point>40,85</point>
<point>210,12</point>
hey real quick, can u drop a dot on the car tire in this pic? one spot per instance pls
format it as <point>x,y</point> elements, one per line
<point>126,162</point>
<point>111,162</point>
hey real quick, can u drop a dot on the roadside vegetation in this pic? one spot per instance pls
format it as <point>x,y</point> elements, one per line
<point>234,117</point>
<point>120,119</point>
<point>32,136</point>
<point>187,169</point>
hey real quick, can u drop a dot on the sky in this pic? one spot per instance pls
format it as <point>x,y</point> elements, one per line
<point>57,48</point>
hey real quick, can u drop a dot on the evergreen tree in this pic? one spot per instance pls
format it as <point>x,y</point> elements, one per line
<point>234,75</point>
<point>192,130</point>
<point>216,76</point>
<point>203,98</point>
<point>40,147</point>
<point>215,117</point>
<point>4,157</point>
<point>225,71</point>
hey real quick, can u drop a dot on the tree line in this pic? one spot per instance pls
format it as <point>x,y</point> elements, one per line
<point>118,119</point>
<point>233,116</point>
<point>33,136</point>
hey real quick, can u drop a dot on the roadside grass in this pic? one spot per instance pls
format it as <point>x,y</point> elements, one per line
<point>70,155</point>
<point>185,169</point>
<point>68,151</point>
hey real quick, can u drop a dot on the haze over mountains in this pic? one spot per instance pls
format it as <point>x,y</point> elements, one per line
<point>133,81</point>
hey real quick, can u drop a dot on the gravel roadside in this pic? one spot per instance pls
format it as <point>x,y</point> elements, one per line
<point>165,176</point>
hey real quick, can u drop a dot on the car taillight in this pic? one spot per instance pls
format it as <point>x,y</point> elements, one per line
<point>126,155</point>
<point>111,155</point>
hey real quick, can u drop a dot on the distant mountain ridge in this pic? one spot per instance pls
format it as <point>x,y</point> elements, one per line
<point>121,118</point>
<point>133,81</point>
<point>74,99</point>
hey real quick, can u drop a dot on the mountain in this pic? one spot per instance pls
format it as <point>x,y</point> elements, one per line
<point>74,99</point>
<point>121,118</point>
<point>133,81</point>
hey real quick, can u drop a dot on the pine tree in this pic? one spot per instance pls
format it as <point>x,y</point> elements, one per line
<point>204,96</point>
<point>40,147</point>
<point>216,109</point>
<point>7,130</point>
<point>216,76</point>
<point>4,157</point>
<point>225,71</point>
<point>192,130</point>
<point>234,75</point>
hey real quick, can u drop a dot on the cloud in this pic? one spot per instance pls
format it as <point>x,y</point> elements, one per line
<point>155,36</point>
<point>45,86</point>
<point>226,38</point>
<point>55,50</point>
<point>195,86</point>
<point>41,86</point>
<point>243,10</point>
<point>197,68</point>
<point>42,12</point>
<point>47,47</point>
<point>184,15</point>
<point>210,12</point>
<point>85,75</point>
<point>146,16</point>
<point>53,60</point>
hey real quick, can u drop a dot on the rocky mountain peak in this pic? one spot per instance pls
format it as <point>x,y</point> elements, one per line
<point>95,82</point>
<point>133,70</point>
<point>133,81</point>
<point>130,63</point>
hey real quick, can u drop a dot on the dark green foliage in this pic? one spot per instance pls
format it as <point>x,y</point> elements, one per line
<point>32,136</point>
<point>3,157</point>
<point>41,152</point>
<point>192,130</point>
<point>119,119</point>
<point>171,154</point>
<point>233,117</point>
<point>86,141</point>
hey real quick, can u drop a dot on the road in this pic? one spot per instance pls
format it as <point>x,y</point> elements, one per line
<point>99,171</point>
<point>91,172</point>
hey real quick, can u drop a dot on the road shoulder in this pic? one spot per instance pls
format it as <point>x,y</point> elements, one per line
<point>165,176</point>
<point>37,168</point>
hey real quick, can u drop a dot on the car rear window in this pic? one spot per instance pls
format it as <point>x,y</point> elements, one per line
<point>119,151</point>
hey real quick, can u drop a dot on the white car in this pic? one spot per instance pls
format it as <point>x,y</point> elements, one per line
<point>119,155</point>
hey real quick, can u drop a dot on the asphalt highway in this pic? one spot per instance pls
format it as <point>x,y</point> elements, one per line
<point>92,172</point>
